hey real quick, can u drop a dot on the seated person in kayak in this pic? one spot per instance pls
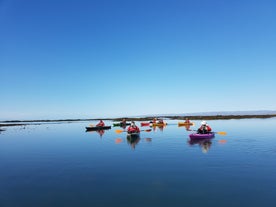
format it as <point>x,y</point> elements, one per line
<point>204,128</point>
<point>160,121</point>
<point>187,121</point>
<point>100,124</point>
<point>133,128</point>
<point>123,123</point>
<point>157,121</point>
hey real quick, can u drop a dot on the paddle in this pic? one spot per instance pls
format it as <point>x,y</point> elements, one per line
<point>220,133</point>
<point>120,131</point>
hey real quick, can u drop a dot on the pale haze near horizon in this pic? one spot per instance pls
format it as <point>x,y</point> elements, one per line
<point>87,59</point>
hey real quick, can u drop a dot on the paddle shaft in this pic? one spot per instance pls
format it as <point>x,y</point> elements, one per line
<point>120,131</point>
<point>220,133</point>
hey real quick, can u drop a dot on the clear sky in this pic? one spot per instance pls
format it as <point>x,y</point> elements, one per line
<point>113,58</point>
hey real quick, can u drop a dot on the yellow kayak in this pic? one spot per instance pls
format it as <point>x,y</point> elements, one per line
<point>159,124</point>
<point>186,124</point>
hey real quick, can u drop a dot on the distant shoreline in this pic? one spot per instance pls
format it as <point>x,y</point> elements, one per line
<point>203,117</point>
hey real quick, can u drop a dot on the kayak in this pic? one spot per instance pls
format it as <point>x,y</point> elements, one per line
<point>95,128</point>
<point>195,136</point>
<point>120,124</point>
<point>185,124</point>
<point>159,124</point>
<point>145,123</point>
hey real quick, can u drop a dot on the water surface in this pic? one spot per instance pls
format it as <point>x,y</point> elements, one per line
<point>62,165</point>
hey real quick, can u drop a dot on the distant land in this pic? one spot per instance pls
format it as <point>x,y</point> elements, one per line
<point>221,113</point>
<point>192,116</point>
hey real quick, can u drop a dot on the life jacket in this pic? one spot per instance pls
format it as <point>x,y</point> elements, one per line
<point>101,124</point>
<point>133,129</point>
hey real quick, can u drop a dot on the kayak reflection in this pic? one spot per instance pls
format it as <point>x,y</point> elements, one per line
<point>205,144</point>
<point>161,128</point>
<point>133,139</point>
<point>188,128</point>
<point>100,132</point>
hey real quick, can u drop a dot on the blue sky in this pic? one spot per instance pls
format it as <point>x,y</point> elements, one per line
<point>107,58</point>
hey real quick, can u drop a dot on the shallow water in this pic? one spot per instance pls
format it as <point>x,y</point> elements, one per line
<point>62,165</point>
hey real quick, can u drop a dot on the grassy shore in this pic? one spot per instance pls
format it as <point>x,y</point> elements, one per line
<point>215,117</point>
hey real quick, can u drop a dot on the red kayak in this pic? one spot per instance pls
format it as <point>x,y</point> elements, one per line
<point>145,123</point>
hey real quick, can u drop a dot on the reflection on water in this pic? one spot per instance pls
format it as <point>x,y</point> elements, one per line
<point>118,140</point>
<point>160,128</point>
<point>205,144</point>
<point>187,127</point>
<point>148,139</point>
<point>99,132</point>
<point>133,141</point>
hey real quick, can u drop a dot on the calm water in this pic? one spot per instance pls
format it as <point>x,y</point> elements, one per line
<point>62,165</point>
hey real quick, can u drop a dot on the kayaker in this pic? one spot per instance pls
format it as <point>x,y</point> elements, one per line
<point>187,121</point>
<point>187,124</point>
<point>133,128</point>
<point>123,122</point>
<point>160,121</point>
<point>204,128</point>
<point>100,124</point>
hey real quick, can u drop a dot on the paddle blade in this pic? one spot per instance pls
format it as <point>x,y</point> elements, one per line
<point>119,131</point>
<point>221,133</point>
<point>147,130</point>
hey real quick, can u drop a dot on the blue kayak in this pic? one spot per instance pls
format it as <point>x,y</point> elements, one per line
<point>202,136</point>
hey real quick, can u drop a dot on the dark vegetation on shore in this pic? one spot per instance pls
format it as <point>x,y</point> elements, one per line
<point>214,117</point>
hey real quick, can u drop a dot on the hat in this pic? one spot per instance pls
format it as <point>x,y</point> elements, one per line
<point>203,122</point>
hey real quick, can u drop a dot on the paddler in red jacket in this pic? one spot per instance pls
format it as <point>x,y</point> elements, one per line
<point>204,128</point>
<point>133,128</point>
<point>100,124</point>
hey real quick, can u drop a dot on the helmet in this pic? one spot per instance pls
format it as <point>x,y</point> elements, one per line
<point>203,123</point>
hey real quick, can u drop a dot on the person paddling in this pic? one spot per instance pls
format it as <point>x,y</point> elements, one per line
<point>100,124</point>
<point>204,128</point>
<point>123,122</point>
<point>161,121</point>
<point>133,128</point>
<point>187,121</point>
